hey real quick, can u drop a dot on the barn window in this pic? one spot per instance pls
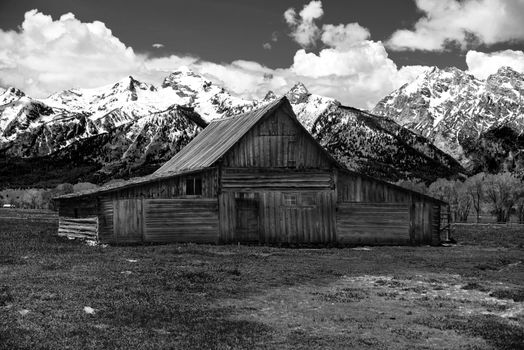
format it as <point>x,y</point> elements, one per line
<point>308,199</point>
<point>194,186</point>
<point>290,199</point>
<point>76,212</point>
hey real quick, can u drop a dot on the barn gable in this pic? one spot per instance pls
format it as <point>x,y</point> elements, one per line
<point>278,140</point>
<point>269,136</point>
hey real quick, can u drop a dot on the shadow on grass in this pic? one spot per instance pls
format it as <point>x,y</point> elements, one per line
<point>496,331</point>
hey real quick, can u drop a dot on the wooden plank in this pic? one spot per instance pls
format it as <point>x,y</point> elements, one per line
<point>170,220</point>
<point>377,223</point>
<point>86,228</point>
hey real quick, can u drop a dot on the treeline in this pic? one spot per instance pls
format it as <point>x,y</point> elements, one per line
<point>500,195</point>
<point>40,198</point>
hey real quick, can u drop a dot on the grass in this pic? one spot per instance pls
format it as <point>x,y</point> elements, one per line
<point>186,296</point>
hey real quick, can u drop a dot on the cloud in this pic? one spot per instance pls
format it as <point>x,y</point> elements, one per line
<point>274,37</point>
<point>481,64</point>
<point>46,55</point>
<point>343,36</point>
<point>267,46</point>
<point>304,30</point>
<point>158,45</point>
<point>464,23</point>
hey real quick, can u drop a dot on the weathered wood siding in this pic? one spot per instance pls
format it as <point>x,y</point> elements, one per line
<point>373,223</point>
<point>245,179</point>
<point>356,188</point>
<point>422,218</point>
<point>174,187</point>
<point>277,142</point>
<point>181,220</point>
<point>128,220</point>
<point>293,217</point>
<point>86,227</point>
<point>106,232</point>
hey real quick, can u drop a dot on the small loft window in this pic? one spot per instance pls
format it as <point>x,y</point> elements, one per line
<point>290,199</point>
<point>193,186</point>
<point>76,212</point>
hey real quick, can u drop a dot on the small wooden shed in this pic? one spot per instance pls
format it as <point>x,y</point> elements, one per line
<point>258,177</point>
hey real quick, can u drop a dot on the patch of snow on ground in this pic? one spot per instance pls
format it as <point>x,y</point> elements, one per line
<point>452,288</point>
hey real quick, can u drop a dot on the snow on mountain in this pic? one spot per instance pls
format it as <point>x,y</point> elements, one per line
<point>129,128</point>
<point>308,107</point>
<point>456,111</point>
<point>208,99</point>
<point>380,147</point>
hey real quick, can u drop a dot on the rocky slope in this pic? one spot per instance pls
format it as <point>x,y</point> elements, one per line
<point>364,142</point>
<point>479,122</point>
<point>129,128</point>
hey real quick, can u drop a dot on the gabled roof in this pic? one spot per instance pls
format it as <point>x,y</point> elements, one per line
<point>216,139</point>
<point>127,183</point>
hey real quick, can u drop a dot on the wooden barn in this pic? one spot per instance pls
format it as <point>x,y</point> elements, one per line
<point>258,177</point>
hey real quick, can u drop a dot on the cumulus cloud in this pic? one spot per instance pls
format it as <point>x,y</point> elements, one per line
<point>267,46</point>
<point>343,36</point>
<point>461,23</point>
<point>46,55</point>
<point>158,45</point>
<point>481,64</point>
<point>304,29</point>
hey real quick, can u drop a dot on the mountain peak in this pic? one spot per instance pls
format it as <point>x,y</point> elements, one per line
<point>298,93</point>
<point>507,71</point>
<point>14,91</point>
<point>270,96</point>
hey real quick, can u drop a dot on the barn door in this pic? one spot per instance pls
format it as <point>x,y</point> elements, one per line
<point>246,229</point>
<point>127,220</point>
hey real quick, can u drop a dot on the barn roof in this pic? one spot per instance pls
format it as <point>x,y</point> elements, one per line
<point>128,183</point>
<point>216,139</point>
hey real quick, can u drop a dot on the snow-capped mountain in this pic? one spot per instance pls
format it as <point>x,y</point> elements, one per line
<point>129,128</point>
<point>479,122</point>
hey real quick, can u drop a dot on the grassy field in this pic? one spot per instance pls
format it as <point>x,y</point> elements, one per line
<point>61,294</point>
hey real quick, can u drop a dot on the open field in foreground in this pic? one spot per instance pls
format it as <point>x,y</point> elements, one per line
<point>61,294</point>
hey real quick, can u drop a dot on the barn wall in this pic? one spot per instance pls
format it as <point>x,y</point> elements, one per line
<point>373,223</point>
<point>78,218</point>
<point>114,229</point>
<point>181,220</point>
<point>245,179</point>
<point>105,219</point>
<point>170,188</point>
<point>423,219</point>
<point>293,217</point>
<point>276,142</point>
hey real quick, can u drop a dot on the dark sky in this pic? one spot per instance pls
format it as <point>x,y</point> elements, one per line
<point>227,30</point>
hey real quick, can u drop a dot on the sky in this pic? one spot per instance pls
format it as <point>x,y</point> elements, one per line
<point>356,51</point>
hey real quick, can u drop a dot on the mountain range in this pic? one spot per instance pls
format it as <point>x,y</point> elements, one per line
<point>479,122</point>
<point>130,128</point>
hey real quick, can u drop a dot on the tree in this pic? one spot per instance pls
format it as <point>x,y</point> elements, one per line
<point>475,189</point>
<point>520,209</point>
<point>464,201</point>
<point>503,191</point>
<point>453,192</point>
